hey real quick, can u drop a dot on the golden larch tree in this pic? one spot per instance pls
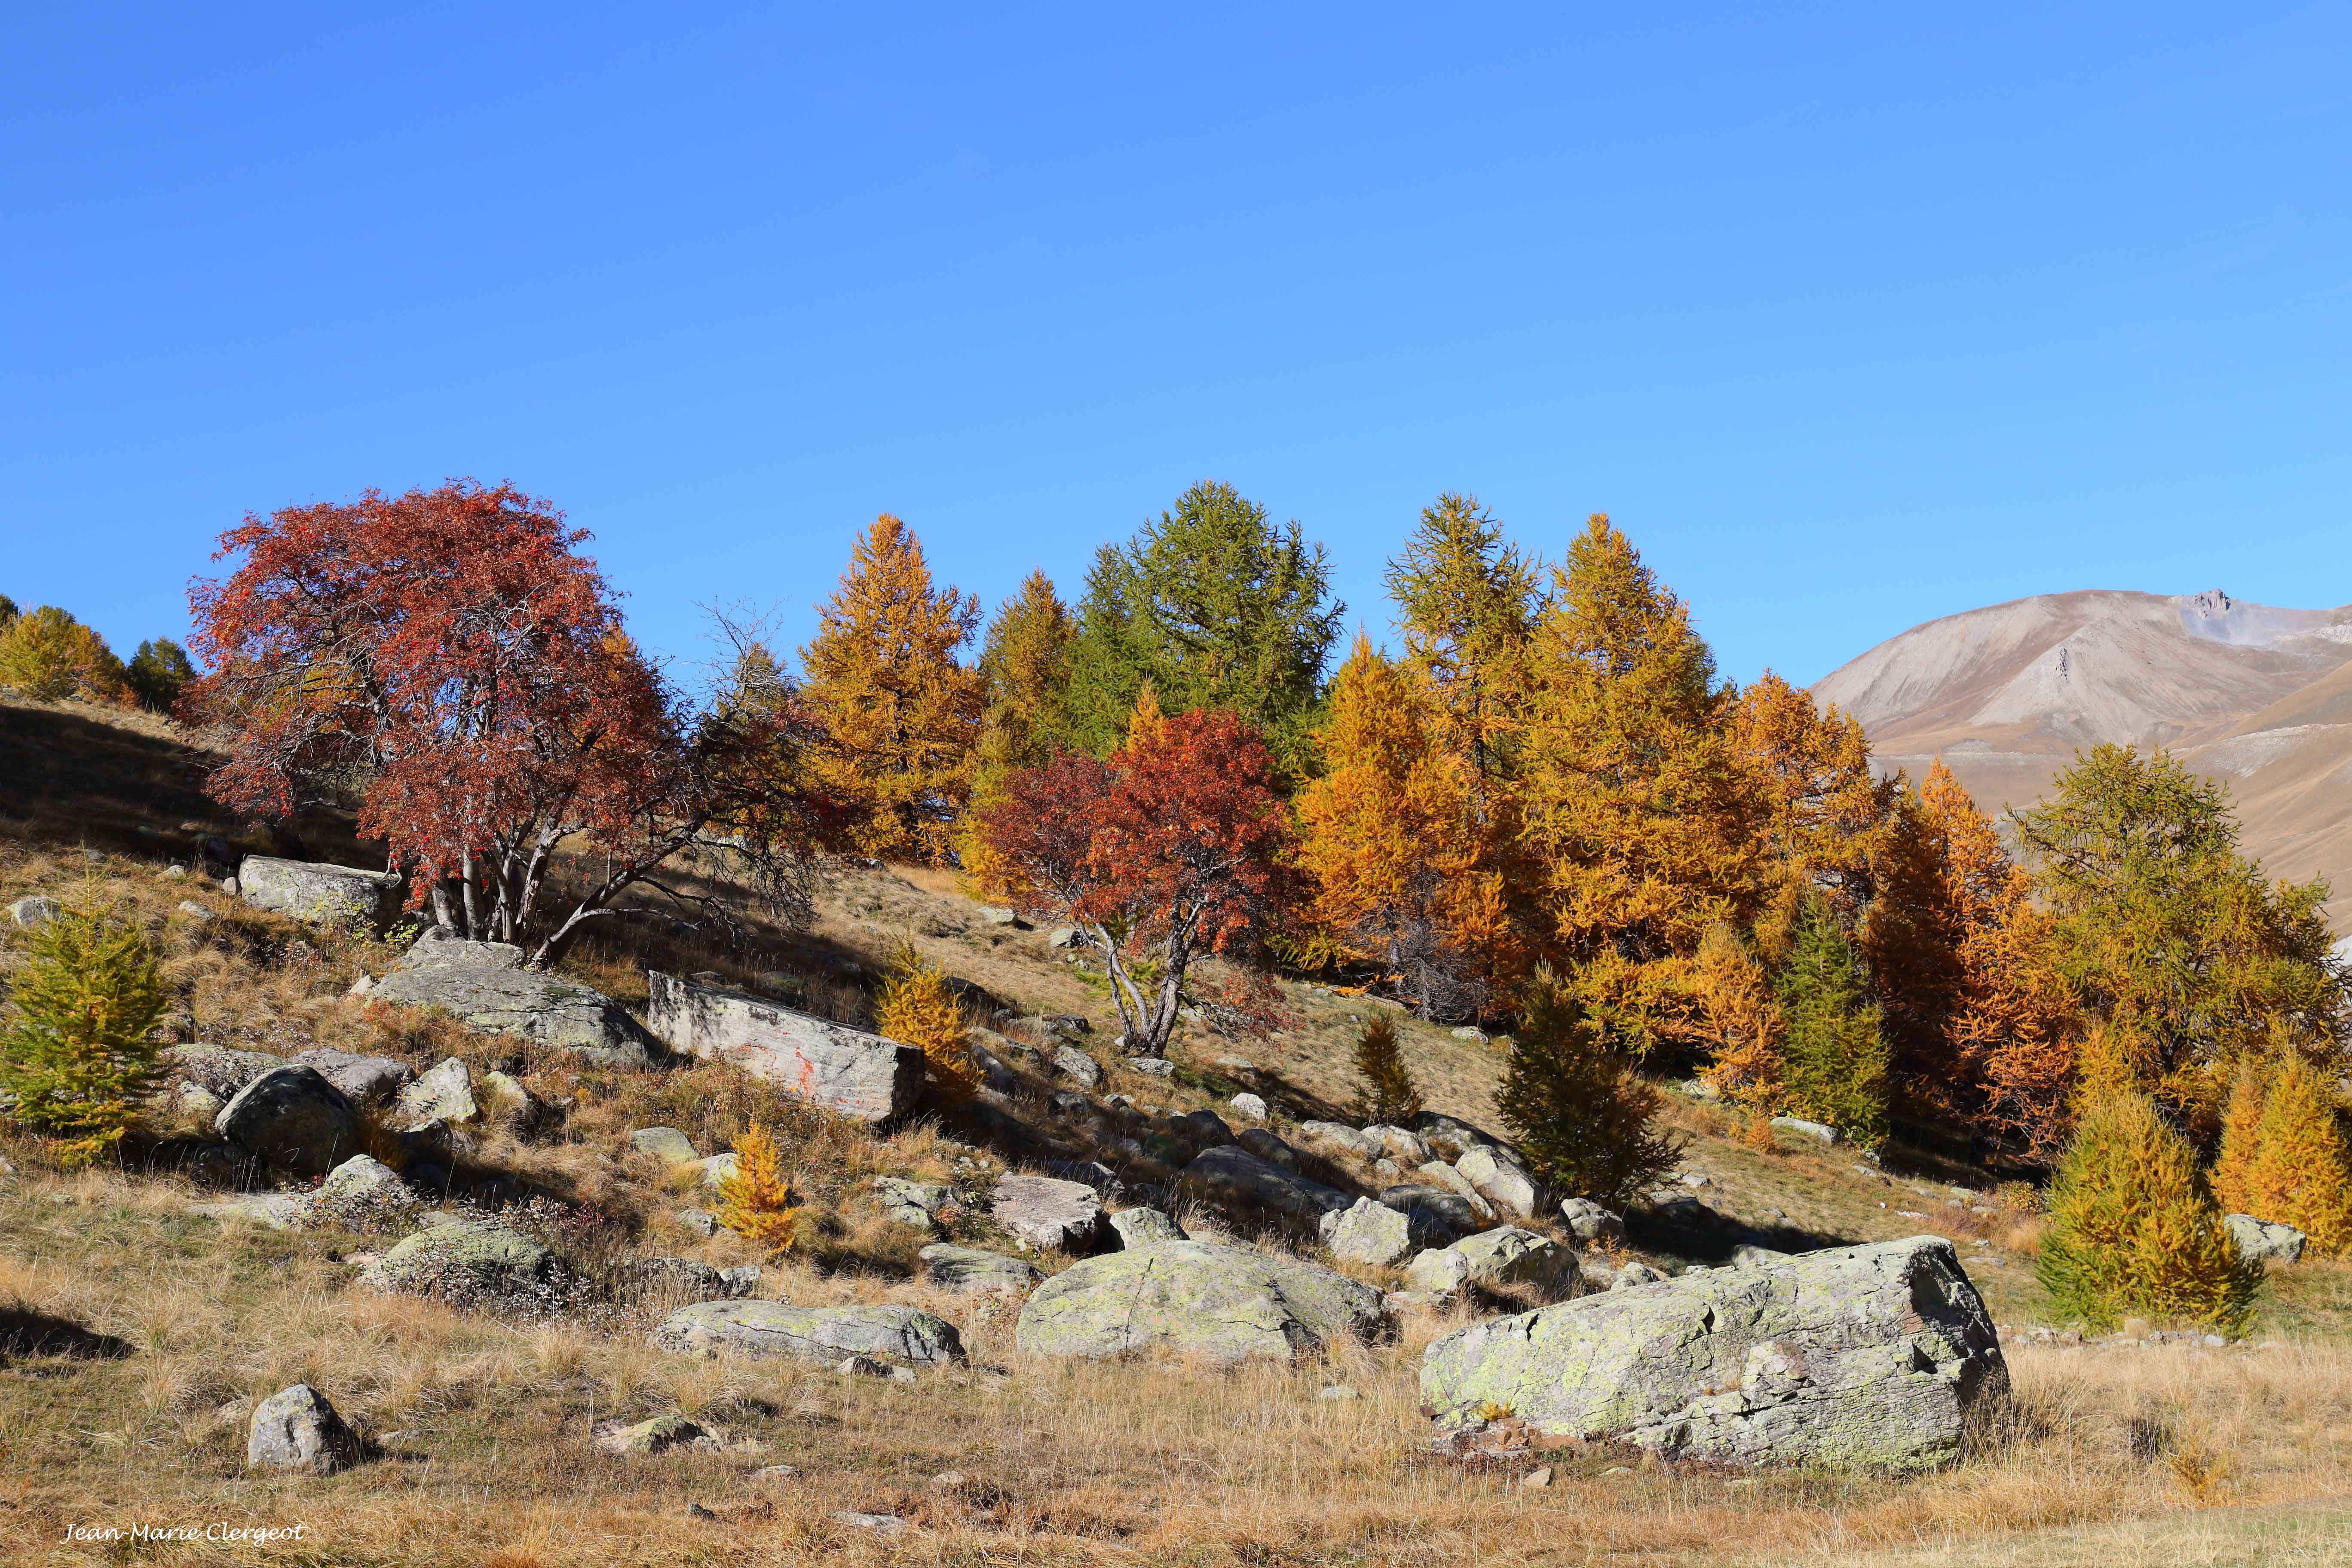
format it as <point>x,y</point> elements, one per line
<point>1025,673</point>
<point>2301,1172</point>
<point>900,717</point>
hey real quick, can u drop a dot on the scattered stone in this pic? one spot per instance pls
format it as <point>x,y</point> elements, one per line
<point>292,1117</point>
<point>1151,1066</point>
<point>1338,1134</point>
<point>467,1259</point>
<point>298,1427</point>
<point>271,1211</point>
<point>849,1071</point>
<point>1223,1303</point>
<point>970,1270</point>
<point>2260,1239</point>
<point>1535,1479</point>
<point>360,986</point>
<point>775,1473</point>
<point>1437,1271</point>
<point>1233,1177</point>
<point>320,894</point>
<point>176,872</point>
<point>196,1102</point>
<point>1249,1105</point>
<point>1748,1256</point>
<point>33,913</point>
<point>1337,1391</point>
<point>586,1023</point>
<point>506,1100</point>
<point>1368,1232</point>
<point>443,1094</point>
<point>1074,1063</point>
<point>1202,1129</point>
<point>1502,1181</point>
<point>1508,1255</point>
<point>1871,1355</point>
<point>1695,1178</point>
<point>761,1329</point>
<point>1801,1127</point>
<point>1592,1225</point>
<point>362,1079</point>
<point>438,946</point>
<point>666,1145</point>
<point>657,1436</point>
<point>916,1203</point>
<point>1475,1036</point>
<point>998,915</point>
<point>1142,1227</point>
<point>1048,1212</point>
<point>1451,1136</point>
<point>193,910</point>
<point>702,1222</point>
<point>218,1068</point>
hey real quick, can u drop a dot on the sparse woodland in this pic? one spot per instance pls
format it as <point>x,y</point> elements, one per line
<point>1514,852</point>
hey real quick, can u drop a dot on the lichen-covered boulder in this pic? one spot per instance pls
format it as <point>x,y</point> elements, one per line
<point>666,1145</point>
<point>1047,1211</point>
<point>439,946</point>
<point>362,1078</point>
<point>1194,1298</point>
<point>1860,1355</point>
<point>584,1022</point>
<point>294,1119</point>
<point>445,1094</point>
<point>1368,1232</point>
<point>906,1335</point>
<point>846,1070</point>
<point>297,1429</point>
<point>320,894</point>
<point>1142,1227</point>
<point>465,1260</point>
<point>1233,1177</point>
<point>1502,1181</point>
<point>2261,1239</point>
<point>969,1269</point>
<point>1508,1255</point>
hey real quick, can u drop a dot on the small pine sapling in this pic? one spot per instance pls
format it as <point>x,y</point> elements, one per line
<point>1584,1119</point>
<point>1833,1043</point>
<point>2241,1130</point>
<point>2301,1172</point>
<point>916,1007</point>
<point>78,1058</point>
<point>1389,1096</point>
<point>756,1199</point>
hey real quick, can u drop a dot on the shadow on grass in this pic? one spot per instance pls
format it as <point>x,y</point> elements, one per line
<point>25,1333</point>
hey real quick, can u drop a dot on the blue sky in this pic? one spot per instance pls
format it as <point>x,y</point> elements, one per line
<point>1851,316</point>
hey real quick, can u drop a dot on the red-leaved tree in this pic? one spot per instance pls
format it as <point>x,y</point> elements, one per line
<point>1178,845</point>
<point>447,660</point>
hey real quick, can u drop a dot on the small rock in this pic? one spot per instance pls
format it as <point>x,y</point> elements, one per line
<point>362,986</point>
<point>775,1473</point>
<point>702,1221</point>
<point>297,1427</point>
<point>1591,1224</point>
<point>1142,1227</point>
<point>1337,1391</point>
<point>1263,1143</point>
<point>1801,1127</point>
<point>657,1436</point>
<point>1437,1271</point>
<point>193,909</point>
<point>1535,1479</point>
<point>1074,1063</point>
<point>1696,1179</point>
<point>1401,1144</point>
<point>1249,1105</point>
<point>293,1118</point>
<point>1477,1036</point>
<point>443,1094</point>
<point>176,872</point>
<point>2261,1238</point>
<point>916,1203</point>
<point>1634,1274</point>
<point>362,1079</point>
<point>717,1168</point>
<point>1746,1255</point>
<point>664,1144</point>
<point>696,1510</point>
<point>31,914</point>
<point>998,915</point>
<point>972,1270</point>
<point>1151,1066</point>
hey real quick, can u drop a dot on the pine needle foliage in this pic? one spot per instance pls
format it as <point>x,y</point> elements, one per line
<point>2133,1227</point>
<point>1583,1119</point>
<point>1389,1096</point>
<point>917,1007</point>
<point>78,1056</point>
<point>2301,1172</point>
<point>2241,1121</point>
<point>1834,1045</point>
<point>756,1201</point>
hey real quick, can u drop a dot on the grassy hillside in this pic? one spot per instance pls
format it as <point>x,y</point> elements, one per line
<point>137,1333</point>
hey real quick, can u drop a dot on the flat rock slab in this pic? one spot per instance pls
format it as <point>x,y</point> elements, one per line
<point>1195,1298</point>
<point>848,1071</point>
<point>905,1335</point>
<point>320,894</point>
<point>1047,1211</point>
<point>969,1269</point>
<point>1234,1177</point>
<point>1860,1355</point>
<point>575,1018</point>
<point>437,946</point>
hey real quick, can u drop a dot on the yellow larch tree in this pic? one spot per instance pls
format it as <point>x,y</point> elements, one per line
<point>1024,672</point>
<point>900,717</point>
<point>2301,1172</point>
<point>1825,811</point>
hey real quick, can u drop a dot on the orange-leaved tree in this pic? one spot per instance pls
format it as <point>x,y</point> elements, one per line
<point>1406,872</point>
<point>1638,812</point>
<point>1825,813</point>
<point>900,717</point>
<point>1177,844</point>
<point>448,657</point>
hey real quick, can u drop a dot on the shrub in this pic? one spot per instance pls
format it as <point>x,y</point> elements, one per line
<point>1583,1118</point>
<point>916,1007</point>
<point>756,1201</point>
<point>78,1058</point>
<point>1389,1094</point>
<point>1833,1046</point>
<point>2301,1172</point>
<point>49,655</point>
<point>2133,1227</point>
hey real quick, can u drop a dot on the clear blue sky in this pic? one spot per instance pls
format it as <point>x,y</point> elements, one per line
<point>1850,316</point>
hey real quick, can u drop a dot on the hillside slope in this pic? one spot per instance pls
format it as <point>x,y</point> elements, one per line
<point>2257,697</point>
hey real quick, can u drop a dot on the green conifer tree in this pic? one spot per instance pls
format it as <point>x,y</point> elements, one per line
<point>1583,1119</point>
<point>1833,1042</point>
<point>1388,1096</point>
<point>77,1056</point>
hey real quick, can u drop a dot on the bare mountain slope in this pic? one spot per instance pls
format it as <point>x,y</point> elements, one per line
<point>2257,697</point>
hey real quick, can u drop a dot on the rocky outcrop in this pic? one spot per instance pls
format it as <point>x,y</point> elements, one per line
<point>297,1429</point>
<point>320,894</point>
<point>1233,1177</point>
<point>1862,1355</point>
<point>294,1119</point>
<point>362,1079</point>
<point>2260,1240</point>
<point>1194,1298</point>
<point>848,1071</point>
<point>575,1018</point>
<point>969,1269</point>
<point>1047,1211</point>
<point>1506,1255</point>
<point>903,1335</point>
<point>440,946</point>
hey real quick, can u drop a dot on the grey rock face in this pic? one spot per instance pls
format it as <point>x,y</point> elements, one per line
<point>1368,1232</point>
<point>1437,1215</point>
<point>445,1094</point>
<point>1801,1127</point>
<point>465,1259</point>
<point>1048,1212</point>
<point>362,1079</point>
<point>1074,1063</point>
<point>297,1427</point>
<point>2262,1238</point>
<point>1142,1227</point>
<point>32,914</point>
<point>436,946</point>
<point>917,1203</point>
<point>1502,1181</point>
<point>217,1069</point>
<point>848,1072</point>
<point>1338,1134</point>
<point>1863,1355</point>
<point>1224,1303</point>
<point>905,1335</point>
<point>584,1022</point>
<point>1233,1176</point>
<point>666,1145</point>
<point>320,894</point>
<point>969,1269</point>
<point>1436,1271</point>
<point>1591,1224</point>
<point>292,1117</point>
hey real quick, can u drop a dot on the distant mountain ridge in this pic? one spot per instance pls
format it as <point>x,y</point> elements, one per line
<point>2256,696</point>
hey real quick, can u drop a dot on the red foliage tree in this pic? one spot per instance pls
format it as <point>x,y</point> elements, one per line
<point>449,660</point>
<point>1177,845</point>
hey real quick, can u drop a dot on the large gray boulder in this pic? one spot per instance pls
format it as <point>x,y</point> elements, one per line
<point>320,894</point>
<point>294,1119</point>
<point>465,1260</point>
<point>846,1070</point>
<point>1194,1298</point>
<point>297,1427</point>
<point>969,1269</point>
<point>1502,1181</point>
<point>1860,1355</point>
<point>1506,1255</point>
<point>575,1018</point>
<point>2262,1239</point>
<point>900,1334</point>
<point>1368,1232</point>
<point>1047,1211</point>
<point>362,1079</point>
<point>436,945</point>
<point>1233,1177</point>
